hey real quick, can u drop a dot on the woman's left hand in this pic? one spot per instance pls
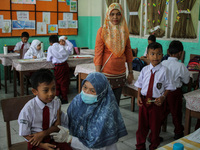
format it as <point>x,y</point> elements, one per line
<point>130,78</point>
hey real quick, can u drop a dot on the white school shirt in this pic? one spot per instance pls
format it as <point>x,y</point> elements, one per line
<point>178,71</point>
<point>69,46</point>
<point>76,144</point>
<point>33,52</point>
<point>30,118</point>
<point>19,45</point>
<point>161,83</point>
<point>57,53</point>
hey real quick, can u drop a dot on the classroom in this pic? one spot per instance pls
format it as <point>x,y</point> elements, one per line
<point>87,17</point>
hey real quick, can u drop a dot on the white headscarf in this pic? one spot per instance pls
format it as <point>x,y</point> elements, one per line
<point>62,38</point>
<point>35,43</point>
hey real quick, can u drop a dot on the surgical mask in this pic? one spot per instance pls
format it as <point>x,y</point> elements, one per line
<point>88,98</point>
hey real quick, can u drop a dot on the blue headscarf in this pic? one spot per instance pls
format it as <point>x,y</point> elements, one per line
<point>99,124</point>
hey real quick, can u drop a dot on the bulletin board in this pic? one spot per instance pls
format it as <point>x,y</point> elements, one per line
<point>39,17</point>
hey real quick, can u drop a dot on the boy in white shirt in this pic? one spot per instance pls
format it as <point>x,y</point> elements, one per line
<point>179,75</point>
<point>58,55</point>
<point>41,115</point>
<point>68,45</point>
<point>151,95</point>
<point>22,46</point>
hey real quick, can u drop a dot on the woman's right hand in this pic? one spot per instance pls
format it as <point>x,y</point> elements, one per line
<point>62,136</point>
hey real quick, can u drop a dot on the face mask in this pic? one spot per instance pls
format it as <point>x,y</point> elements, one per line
<point>88,98</point>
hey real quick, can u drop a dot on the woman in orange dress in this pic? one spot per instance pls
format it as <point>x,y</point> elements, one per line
<point>113,49</point>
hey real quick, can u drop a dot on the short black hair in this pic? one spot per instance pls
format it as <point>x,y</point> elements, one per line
<point>41,76</point>
<point>25,34</point>
<point>53,39</point>
<point>152,38</point>
<point>175,47</point>
<point>154,46</point>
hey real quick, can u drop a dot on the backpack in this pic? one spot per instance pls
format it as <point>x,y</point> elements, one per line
<point>194,64</point>
<point>138,64</point>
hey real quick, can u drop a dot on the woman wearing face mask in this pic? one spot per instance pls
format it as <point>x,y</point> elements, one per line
<point>95,121</point>
<point>113,49</point>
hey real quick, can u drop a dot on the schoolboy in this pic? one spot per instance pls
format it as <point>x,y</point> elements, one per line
<point>151,39</point>
<point>151,95</point>
<point>41,115</point>
<point>68,45</point>
<point>58,55</point>
<point>179,75</point>
<point>22,46</point>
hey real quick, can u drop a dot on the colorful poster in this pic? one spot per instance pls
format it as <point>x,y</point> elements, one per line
<point>24,1</point>
<point>61,0</point>
<point>46,17</point>
<point>62,24</point>
<point>22,15</point>
<point>73,6</point>
<point>41,28</point>
<point>17,24</point>
<point>73,24</point>
<point>6,28</point>
<point>30,24</point>
<point>1,21</point>
<point>52,28</point>
<point>68,2</point>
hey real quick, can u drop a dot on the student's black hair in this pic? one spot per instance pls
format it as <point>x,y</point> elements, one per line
<point>53,39</point>
<point>41,76</point>
<point>154,46</point>
<point>152,38</point>
<point>25,34</point>
<point>175,47</point>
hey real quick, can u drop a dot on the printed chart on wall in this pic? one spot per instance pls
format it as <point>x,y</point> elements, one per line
<point>38,17</point>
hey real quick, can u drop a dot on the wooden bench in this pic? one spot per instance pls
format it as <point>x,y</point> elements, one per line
<point>11,108</point>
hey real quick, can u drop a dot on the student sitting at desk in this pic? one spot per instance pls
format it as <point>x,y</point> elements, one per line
<point>68,45</point>
<point>22,46</point>
<point>179,75</point>
<point>34,52</point>
<point>151,95</point>
<point>58,55</point>
<point>41,115</point>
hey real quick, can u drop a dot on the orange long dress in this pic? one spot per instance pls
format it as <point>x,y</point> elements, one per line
<point>115,65</point>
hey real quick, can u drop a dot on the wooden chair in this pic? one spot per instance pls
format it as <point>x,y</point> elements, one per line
<point>193,55</point>
<point>182,58</point>
<point>11,108</point>
<point>11,48</point>
<point>135,52</point>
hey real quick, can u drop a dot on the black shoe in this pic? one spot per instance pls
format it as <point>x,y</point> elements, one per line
<point>161,139</point>
<point>178,136</point>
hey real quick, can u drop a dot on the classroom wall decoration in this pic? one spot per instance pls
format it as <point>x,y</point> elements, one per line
<point>38,17</point>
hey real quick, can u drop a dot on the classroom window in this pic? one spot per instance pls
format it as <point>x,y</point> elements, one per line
<point>166,19</point>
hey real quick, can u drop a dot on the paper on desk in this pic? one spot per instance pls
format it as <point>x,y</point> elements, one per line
<point>195,136</point>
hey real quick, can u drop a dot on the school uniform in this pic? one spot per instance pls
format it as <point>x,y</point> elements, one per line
<point>20,45</point>
<point>31,118</point>
<point>68,45</point>
<point>149,113</point>
<point>32,51</point>
<point>58,56</point>
<point>173,104</point>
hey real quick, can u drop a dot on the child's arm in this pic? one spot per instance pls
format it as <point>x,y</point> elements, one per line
<point>139,100</point>
<point>159,101</point>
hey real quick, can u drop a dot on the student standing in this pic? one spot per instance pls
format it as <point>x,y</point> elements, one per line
<point>95,121</point>
<point>41,115</point>
<point>22,46</point>
<point>58,56</point>
<point>153,85</point>
<point>34,52</point>
<point>179,75</point>
<point>113,49</point>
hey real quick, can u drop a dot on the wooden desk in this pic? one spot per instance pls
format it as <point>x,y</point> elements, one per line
<point>31,65</point>
<point>6,61</point>
<point>188,145</point>
<point>192,108</point>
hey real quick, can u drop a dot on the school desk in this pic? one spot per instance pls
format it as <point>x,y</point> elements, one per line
<point>192,108</point>
<point>87,52</point>
<point>188,145</point>
<point>29,65</point>
<point>6,61</point>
